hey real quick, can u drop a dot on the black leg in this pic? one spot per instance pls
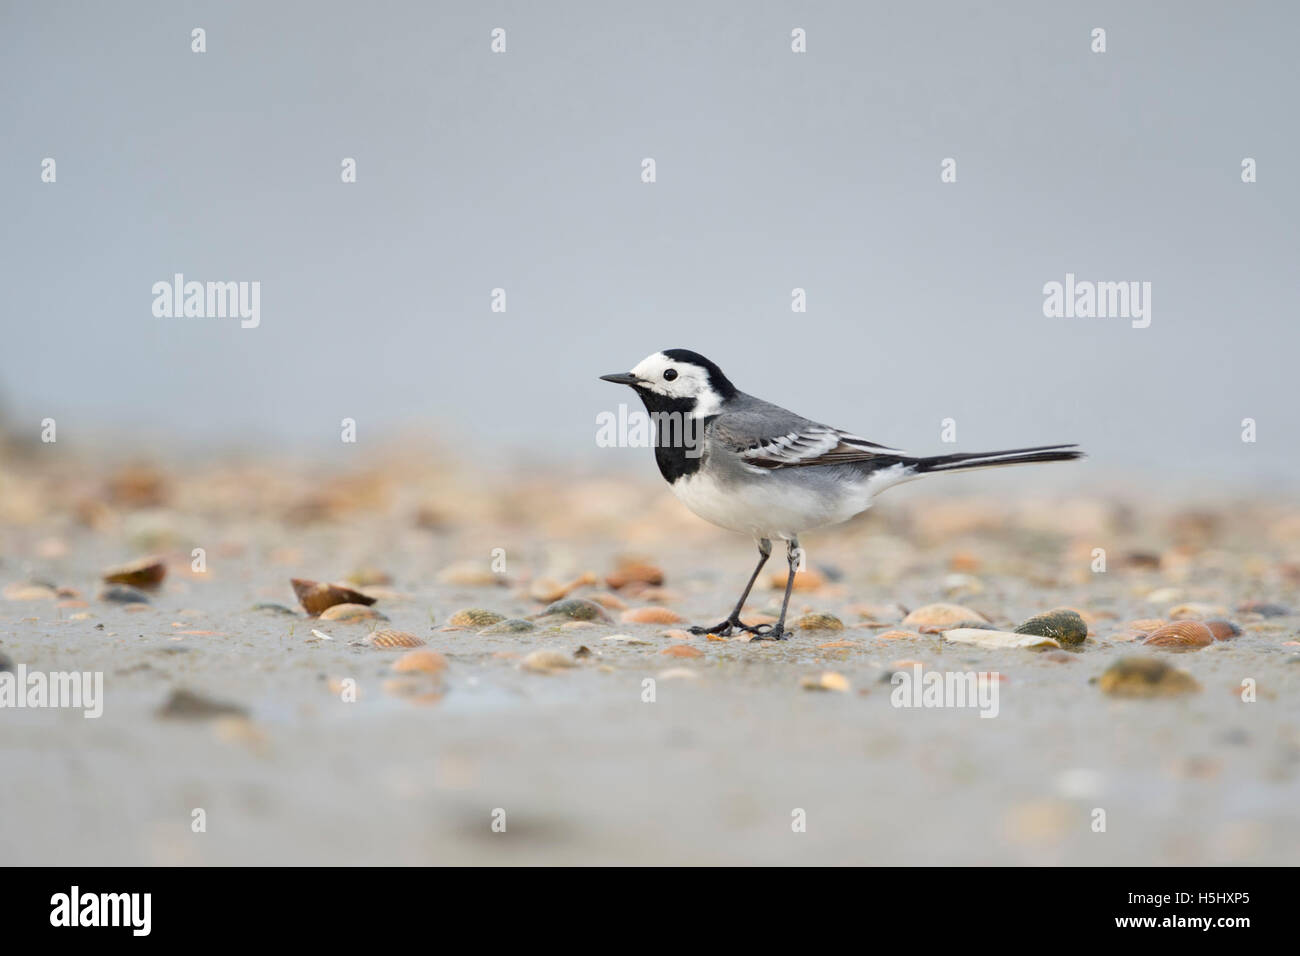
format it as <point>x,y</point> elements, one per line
<point>733,620</point>
<point>777,631</point>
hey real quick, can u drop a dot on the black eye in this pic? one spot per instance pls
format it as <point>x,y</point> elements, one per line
<point>670,374</point>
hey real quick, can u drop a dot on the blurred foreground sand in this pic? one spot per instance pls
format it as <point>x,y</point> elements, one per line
<point>587,772</point>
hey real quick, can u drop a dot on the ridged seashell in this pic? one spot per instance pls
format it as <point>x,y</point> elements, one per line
<point>316,597</point>
<point>948,614</point>
<point>682,650</point>
<point>808,579</point>
<point>634,572</point>
<point>546,662</point>
<point>390,638</point>
<point>511,625</point>
<point>1197,612</point>
<point>144,573</point>
<point>610,602</point>
<point>424,662</point>
<point>650,615</point>
<point>1181,635</point>
<point>1061,624</point>
<point>980,637</point>
<point>895,635</point>
<point>1147,624</point>
<point>549,589</point>
<point>1223,630</point>
<point>1145,677</point>
<point>819,622</point>
<point>577,609</point>
<point>475,617</point>
<point>826,680</point>
<point>348,613</point>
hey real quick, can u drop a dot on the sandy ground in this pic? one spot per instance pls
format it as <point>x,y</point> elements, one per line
<point>584,769</point>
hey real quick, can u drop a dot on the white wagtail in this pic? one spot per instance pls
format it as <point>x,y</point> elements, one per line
<point>754,467</point>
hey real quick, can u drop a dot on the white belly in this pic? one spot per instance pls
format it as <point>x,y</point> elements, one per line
<point>767,508</point>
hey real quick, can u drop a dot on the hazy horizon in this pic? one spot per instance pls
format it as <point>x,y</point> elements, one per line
<point>774,171</point>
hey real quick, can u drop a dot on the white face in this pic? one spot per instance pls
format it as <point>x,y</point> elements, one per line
<point>683,380</point>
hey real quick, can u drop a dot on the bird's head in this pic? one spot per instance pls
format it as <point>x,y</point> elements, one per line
<point>677,379</point>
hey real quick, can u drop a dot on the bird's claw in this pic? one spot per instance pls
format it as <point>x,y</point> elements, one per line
<point>721,630</point>
<point>774,632</point>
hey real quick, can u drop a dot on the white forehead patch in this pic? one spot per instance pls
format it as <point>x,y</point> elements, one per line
<point>691,382</point>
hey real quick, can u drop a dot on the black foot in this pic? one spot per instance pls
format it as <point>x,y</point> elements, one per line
<point>774,632</point>
<point>722,630</point>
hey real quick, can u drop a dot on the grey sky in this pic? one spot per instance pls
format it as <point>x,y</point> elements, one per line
<point>775,170</point>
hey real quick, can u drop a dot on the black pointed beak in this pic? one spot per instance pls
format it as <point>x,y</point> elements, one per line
<point>620,378</point>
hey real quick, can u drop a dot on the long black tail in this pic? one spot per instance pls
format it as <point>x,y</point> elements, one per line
<point>995,459</point>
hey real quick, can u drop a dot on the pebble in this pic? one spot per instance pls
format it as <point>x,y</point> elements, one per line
<point>316,597</point>
<point>351,613</point>
<point>876,614</point>
<point>1165,595</point>
<point>576,609</point>
<point>650,615</point>
<point>22,591</point>
<point>1264,609</point>
<point>1145,677</point>
<point>513,625</point>
<point>826,680</point>
<point>1146,624</point>
<point>187,705</point>
<point>546,662</point>
<point>1223,630</point>
<point>895,635</point>
<point>1064,625</point>
<point>122,594</point>
<point>274,608</point>
<point>143,573</point>
<point>626,639</point>
<point>390,638</point>
<point>998,639</point>
<point>475,617</point>
<point>679,673</point>
<point>943,614</point>
<point>1181,636</point>
<point>819,622</point>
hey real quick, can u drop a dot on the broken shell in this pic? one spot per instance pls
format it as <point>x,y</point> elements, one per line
<point>635,572</point>
<point>895,635</point>
<point>1145,677</point>
<point>650,615</point>
<point>475,617</point>
<point>1181,636</point>
<point>1223,630</point>
<point>610,602</point>
<point>316,597</point>
<point>577,609</point>
<point>626,639</point>
<point>546,662</point>
<point>369,577</point>
<point>348,613</point>
<point>682,650</point>
<point>679,635</point>
<point>948,614</point>
<point>512,625</point>
<point>826,680</point>
<point>1063,625</point>
<point>819,622</point>
<point>1146,624</point>
<point>679,673</point>
<point>999,639</point>
<point>1121,637</point>
<point>144,573</point>
<point>1197,612</point>
<point>389,638</point>
<point>426,662</point>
